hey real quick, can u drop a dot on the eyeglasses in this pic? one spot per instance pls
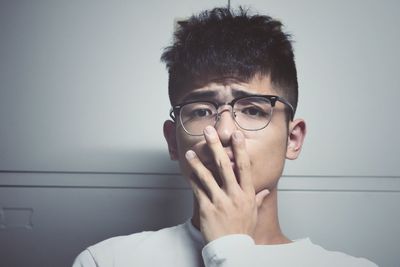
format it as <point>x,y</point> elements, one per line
<point>251,113</point>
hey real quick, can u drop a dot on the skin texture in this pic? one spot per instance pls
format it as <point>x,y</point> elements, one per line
<point>233,172</point>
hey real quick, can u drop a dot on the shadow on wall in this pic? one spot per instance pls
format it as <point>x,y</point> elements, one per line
<point>85,159</point>
<point>112,193</point>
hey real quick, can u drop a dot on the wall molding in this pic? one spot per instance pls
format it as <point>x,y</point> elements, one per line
<point>175,181</point>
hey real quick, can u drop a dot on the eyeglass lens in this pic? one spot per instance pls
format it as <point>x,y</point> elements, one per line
<point>250,113</point>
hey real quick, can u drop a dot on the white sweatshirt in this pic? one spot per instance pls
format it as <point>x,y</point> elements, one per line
<point>183,246</point>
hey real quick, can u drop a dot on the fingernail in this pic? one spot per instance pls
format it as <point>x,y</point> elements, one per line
<point>238,136</point>
<point>210,131</point>
<point>190,154</point>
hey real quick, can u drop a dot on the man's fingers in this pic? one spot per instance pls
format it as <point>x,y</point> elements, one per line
<point>198,190</point>
<point>202,174</point>
<point>221,158</point>
<point>261,196</point>
<point>242,162</point>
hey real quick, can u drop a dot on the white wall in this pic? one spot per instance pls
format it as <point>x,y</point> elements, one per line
<point>77,77</point>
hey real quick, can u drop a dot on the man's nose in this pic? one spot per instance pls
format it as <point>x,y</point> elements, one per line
<point>225,126</point>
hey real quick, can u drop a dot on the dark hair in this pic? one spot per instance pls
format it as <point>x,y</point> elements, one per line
<point>221,45</point>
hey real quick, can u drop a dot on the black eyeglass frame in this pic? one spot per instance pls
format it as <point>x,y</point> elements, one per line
<point>272,98</point>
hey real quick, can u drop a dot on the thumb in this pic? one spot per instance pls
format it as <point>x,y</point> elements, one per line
<point>260,196</point>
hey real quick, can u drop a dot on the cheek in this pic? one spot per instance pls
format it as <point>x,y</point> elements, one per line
<point>184,143</point>
<point>267,161</point>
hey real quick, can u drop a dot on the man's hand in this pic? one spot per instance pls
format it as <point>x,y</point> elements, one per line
<point>232,207</point>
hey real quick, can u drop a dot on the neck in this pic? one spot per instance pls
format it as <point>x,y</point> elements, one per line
<point>267,231</point>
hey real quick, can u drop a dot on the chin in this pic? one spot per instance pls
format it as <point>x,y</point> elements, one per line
<point>270,185</point>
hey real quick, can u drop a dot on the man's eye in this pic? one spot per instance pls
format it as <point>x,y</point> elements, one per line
<point>201,113</point>
<point>254,112</point>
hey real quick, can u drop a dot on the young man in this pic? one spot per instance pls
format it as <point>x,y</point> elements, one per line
<point>233,90</point>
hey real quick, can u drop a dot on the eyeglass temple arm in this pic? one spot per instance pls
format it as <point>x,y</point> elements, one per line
<point>172,113</point>
<point>284,101</point>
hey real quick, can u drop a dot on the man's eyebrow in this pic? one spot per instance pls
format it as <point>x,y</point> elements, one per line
<point>212,94</point>
<point>239,93</point>
<point>200,95</point>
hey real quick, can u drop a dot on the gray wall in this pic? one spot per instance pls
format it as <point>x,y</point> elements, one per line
<point>79,161</point>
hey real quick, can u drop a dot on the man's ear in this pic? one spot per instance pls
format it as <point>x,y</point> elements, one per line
<point>170,137</point>
<point>297,133</point>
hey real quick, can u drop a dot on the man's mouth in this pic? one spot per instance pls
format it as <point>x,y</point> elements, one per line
<point>212,167</point>
<point>210,164</point>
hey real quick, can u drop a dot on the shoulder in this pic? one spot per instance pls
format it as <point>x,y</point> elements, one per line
<point>299,253</point>
<point>84,259</point>
<point>123,248</point>
<point>318,254</point>
<point>102,253</point>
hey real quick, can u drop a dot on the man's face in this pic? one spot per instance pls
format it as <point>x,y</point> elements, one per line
<point>267,148</point>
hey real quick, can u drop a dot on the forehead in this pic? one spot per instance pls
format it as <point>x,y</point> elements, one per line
<point>226,92</point>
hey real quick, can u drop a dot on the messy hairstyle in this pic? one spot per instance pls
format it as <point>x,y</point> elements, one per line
<point>221,45</point>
